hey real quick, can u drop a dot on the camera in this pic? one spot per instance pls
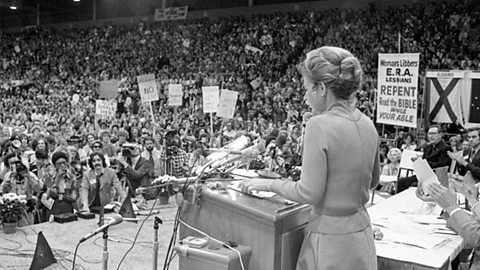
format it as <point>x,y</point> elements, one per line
<point>126,152</point>
<point>127,149</point>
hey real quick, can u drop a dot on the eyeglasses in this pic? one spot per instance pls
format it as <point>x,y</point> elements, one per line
<point>97,146</point>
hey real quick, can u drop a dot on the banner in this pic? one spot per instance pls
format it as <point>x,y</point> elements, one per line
<point>398,89</point>
<point>444,90</point>
<point>147,86</point>
<point>175,95</point>
<point>470,98</point>
<point>105,109</point>
<point>211,98</point>
<point>172,13</point>
<point>108,89</point>
<point>227,103</point>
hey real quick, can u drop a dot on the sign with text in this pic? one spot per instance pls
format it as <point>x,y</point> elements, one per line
<point>147,88</point>
<point>211,98</point>
<point>105,109</point>
<point>398,89</point>
<point>175,95</point>
<point>108,89</point>
<point>227,103</point>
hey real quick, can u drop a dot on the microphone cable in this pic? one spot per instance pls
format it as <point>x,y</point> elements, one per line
<point>75,255</point>
<point>138,231</point>
<point>169,255</point>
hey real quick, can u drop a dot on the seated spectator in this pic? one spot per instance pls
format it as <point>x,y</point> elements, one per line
<point>391,169</point>
<point>64,190</point>
<point>409,142</point>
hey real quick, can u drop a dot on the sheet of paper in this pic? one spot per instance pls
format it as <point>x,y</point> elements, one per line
<point>425,175</point>
<point>406,159</point>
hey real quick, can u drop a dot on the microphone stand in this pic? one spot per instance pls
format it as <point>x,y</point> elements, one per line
<point>105,249</point>
<point>155,242</point>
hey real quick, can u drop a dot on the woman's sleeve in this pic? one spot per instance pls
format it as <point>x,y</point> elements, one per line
<point>311,186</point>
<point>376,171</point>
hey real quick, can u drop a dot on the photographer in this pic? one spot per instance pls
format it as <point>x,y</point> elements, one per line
<point>21,181</point>
<point>137,169</point>
<point>174,157</point>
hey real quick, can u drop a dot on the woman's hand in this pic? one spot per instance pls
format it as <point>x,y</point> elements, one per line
<point>247,186</point>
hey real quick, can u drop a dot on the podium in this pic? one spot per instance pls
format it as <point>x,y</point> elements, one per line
<point>273,229</point>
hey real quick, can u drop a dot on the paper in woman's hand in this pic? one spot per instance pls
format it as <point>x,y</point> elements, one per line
<point>425,175</point>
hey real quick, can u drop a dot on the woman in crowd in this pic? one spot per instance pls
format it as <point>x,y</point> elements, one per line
<point>409,142</point>
<point>338,190</point>
<point>391,169</point>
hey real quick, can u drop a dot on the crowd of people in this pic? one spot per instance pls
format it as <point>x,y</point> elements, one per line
<point>43,68</point>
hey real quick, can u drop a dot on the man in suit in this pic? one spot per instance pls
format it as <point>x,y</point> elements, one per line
<point>98,183</point>
<point>435,152</point>
<point>469,160</point>
<point>137,169</point>
<point>466,225</point>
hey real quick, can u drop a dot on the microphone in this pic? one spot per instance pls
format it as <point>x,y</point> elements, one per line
<point>246,154</point>
<point>116,220</point>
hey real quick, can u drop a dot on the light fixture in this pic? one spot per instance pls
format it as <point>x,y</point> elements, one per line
<point>76,0</point>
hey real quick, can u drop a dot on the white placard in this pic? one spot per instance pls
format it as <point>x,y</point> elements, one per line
<point>227,103</point>
<point>425,175</point>
<point>175,95</point>
<point>105,108</point>
<point>406,159</point>
<point>398,89</point>
<point>211,98</point>
<point>147,88</point>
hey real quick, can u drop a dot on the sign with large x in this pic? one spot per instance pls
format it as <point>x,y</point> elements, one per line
<point>443,100</point>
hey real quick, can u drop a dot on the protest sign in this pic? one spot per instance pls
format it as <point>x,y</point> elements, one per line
<point>147,88</point>
<point>175,95</point>
<point>105,109</point>
<point>227,103</point>
<point>108,89</point>
<point>210,98</point>
<point>398,89</point>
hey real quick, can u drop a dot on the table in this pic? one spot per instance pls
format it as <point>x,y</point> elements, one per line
<point>16,250</point>
<point>406,209</point>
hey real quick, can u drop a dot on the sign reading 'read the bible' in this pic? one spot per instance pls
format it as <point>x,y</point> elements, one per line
<point>398,89</point>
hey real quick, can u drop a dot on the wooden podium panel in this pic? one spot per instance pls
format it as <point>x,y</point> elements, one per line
<point>273,229</point>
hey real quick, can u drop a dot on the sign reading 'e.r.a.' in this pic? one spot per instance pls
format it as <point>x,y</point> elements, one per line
<point>397,89</point>
<point>147,88</point>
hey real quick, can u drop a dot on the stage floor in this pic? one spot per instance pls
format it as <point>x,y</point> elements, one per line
<point>16,250</point>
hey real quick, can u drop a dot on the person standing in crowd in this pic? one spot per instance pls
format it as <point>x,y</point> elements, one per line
<point>138,170</point>
<point>435,152</point>
<point>154,155</point>
<point>338,190</point>
<point>174,157</point>
<point>98,183</point>
<point>108,148</point>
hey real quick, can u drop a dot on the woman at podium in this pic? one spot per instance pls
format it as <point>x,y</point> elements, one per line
<point>340,166</point>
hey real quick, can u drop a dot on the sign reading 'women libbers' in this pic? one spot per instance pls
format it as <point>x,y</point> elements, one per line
<point>398,89</point>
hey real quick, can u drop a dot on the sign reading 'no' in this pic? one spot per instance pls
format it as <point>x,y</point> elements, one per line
<point>147,88</point>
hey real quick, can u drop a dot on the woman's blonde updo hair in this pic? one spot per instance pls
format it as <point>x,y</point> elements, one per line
<point>337,68</point>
